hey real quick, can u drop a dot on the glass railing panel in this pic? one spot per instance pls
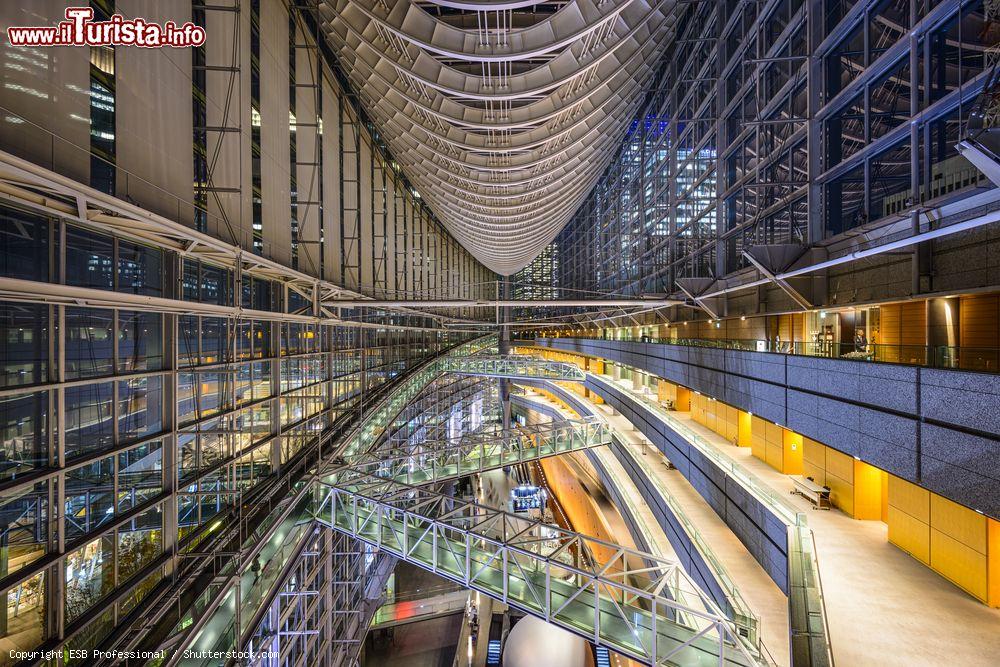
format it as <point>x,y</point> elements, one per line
<point>982,360</point>
<point>427,461</point>
<point>757,487</point>
<point>742,614</point>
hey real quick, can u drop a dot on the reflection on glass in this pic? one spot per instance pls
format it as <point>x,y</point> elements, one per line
<point>25,614</point>
<point>140,541</point>
<point>140,407</point>
<point>88,418</point>
<point>140,341</point>
<point>89,576</point>
<point>24,245</point>
<point>23,534</point>
<point>140,475</point>
<point>89,342</point>
<point>23,344</point>
<point>89,497</point>
<point>23,429</point>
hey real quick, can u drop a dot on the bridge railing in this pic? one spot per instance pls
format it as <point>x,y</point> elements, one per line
<point>428,461</point>
<point>512,366</point>
<point>381,416</point>
<point>636,603</point>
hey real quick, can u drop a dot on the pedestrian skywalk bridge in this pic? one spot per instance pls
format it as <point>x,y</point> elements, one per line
<point>514,367</point>
<point>634,603</point>
<point>427,461</point>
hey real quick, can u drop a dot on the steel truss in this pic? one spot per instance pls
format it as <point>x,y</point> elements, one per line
<point>635,603</point>
<point>325,605</point>
<point>228,613</point>
<point>431,461</point>
<point>643,606</point>
<point>512,367</point>
<point>501,122</point>
<point>44,191</point>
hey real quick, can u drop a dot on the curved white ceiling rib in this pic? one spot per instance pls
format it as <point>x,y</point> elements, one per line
<point>502,113</point>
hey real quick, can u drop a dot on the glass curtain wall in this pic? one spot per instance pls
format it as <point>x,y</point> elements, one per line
<point>126,434</point>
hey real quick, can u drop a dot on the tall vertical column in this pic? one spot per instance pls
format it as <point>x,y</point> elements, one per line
<point>504,289</point>
<point>171,417</point>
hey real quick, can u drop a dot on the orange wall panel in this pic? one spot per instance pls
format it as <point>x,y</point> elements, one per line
<point>993,562</point>
<point>791,452</point>
<point>909,534</point>
<point>959,563</point>
<point>744,431</point>
<point>683,402</point>
<point>840,479</point>
<point>867,492</point>
<point>909,518</point>
<point>885,496</point>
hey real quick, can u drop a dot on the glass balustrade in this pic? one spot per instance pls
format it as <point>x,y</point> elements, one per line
<point>512,366</point>
<point>433,461</point>
<point>979,359</point>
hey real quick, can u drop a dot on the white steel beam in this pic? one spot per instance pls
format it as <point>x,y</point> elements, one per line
<point>516,303</point>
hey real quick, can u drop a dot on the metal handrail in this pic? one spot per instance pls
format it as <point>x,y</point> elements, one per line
<point>743,616</point>
<point>750,482</point>
<point>513,366</point>
<point>741,608</point>
<point>810,642</point>
<point>948,357</point>
<point>431,461</point>
<point>634,602</point>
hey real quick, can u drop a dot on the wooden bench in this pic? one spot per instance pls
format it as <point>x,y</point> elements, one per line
<point>811,491</point>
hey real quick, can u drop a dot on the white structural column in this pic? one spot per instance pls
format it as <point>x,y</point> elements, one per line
<point>502,114</point>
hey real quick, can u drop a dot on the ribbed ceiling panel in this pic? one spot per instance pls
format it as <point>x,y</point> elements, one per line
<point>502,114</point>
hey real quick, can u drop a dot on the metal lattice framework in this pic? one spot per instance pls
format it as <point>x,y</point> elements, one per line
<point>775,124</point>
<point>377,421</point>
<point>633,602</point>
<point>512,367</point>
<point>228,611</point>
<point>331,571</point>
<point>502,114</point>
<point>429,461</point>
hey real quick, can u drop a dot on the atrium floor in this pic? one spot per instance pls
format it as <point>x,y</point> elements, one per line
<point>884,608</point>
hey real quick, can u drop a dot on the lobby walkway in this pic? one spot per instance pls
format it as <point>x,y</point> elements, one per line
<point>763,596</point>
<point>884,608</point>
